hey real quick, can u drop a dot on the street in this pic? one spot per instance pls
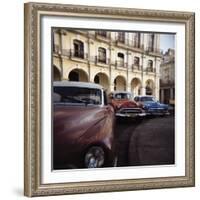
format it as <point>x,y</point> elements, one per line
<point>148,141</point>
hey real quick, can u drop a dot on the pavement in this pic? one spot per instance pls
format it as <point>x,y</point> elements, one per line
<point>124,130</point>
<point>152,142</point>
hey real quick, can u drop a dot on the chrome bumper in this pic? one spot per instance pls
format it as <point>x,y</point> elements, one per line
<point>157,112</point>
<point>130,114</point>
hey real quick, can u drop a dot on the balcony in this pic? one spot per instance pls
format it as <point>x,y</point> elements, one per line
<point>136,67</point>
<point>100,61</point>
<point>103,35</point>
<point>150,70</point>
<point>153,51</point>
<point>121,65</point>
<point>74,55</point>
<point>56,49</point>
<point>129,44</point>
<point>167,83</point>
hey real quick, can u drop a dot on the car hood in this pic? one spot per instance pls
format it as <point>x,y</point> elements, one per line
<point>124,103</point>
<point>154,104</point>
<point>77,124</point>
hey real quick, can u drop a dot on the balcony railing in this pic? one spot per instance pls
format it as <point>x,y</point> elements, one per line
<point>128,42</point>
<point>99,60</point>
<point>120,64</point>
<point>150,70</point>
<point>153,50</point>
<point>71,53</point>
<point>164,83</point>
<point>136,67</point>
<point>103,34</point>
<point>56,49</point>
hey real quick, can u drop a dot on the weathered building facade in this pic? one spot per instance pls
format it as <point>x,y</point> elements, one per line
<point>167,77</point>
<point>127,61</point>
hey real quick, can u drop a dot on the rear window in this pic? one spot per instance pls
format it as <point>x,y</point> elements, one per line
<point>122,96</point>
<point>147,99</point>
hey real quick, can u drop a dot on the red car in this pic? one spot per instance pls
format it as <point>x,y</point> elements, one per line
<point>124,105</point>
<point>83,126</point>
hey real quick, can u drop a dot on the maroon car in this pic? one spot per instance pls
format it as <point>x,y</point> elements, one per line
<point>83,126</point>
<point>124,105</point>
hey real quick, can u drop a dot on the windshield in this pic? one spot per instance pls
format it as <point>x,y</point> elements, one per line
<point>122,96</point>
<point>77,95</point>
<point>147,99</point>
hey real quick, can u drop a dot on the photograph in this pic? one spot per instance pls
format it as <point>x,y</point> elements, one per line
<point>113,98</point>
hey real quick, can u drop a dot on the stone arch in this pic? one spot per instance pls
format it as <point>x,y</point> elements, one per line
<point>78,75</point>
<point>56,74</point>
<point>136,86</point>
<point>150,87</point>
<point>102,79</point>
<point>120,83</point>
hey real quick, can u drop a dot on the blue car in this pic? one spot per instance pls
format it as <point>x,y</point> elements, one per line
<point>151,106</point>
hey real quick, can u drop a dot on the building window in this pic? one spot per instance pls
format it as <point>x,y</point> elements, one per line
<point>102,33</point>
<point>120,62</point>
<point>136,40</point>
<point>150,66</point>
<point>78,49</point>
<point>136,61</point>
<point>151,42</point>
<point>96,79</point>
<point>101,55</point>
<point>121,37</point>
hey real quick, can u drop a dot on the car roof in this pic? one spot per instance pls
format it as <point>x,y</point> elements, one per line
<point>77,84</point>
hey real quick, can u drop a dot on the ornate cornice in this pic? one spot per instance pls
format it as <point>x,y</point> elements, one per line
<point>115,11</point>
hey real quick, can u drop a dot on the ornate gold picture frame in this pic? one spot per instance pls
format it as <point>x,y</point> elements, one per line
<point>34,160</point>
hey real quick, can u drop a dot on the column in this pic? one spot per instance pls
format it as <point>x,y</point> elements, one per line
<point>110,68</point>
<point>111,87</point>
<point>143,87</point>
<point>157,78</point>
<point>127,66</point>
<point>61,33</point>
<point>88,58</point>
<point>143,90</point>
<point>162,95</point>
<point>171,94</point>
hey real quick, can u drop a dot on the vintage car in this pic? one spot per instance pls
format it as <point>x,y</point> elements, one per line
<point>83,126</point>
<point>151,106</point>
<point>124,105</point>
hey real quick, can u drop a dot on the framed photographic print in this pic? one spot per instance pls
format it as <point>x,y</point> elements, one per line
<point>109,99</point>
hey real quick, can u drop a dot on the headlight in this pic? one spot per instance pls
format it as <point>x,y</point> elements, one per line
<point>94,157</point>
